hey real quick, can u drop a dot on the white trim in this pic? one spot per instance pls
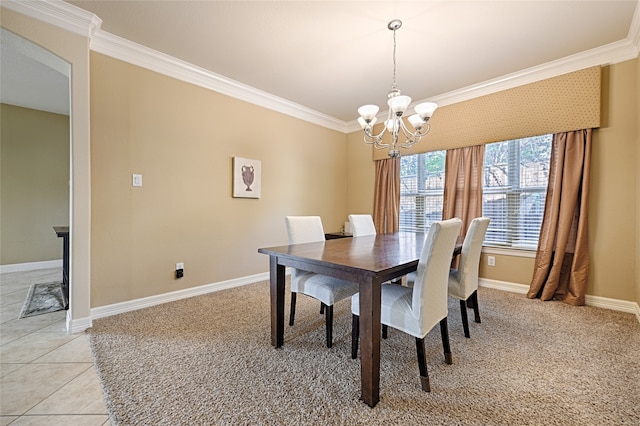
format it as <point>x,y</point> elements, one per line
<point>133,53</point>
<point>509,252</point>
<point>613,304</point>
<point>78,325</point>
<point>82,324</point>
<point>57,13</point>
<point>31,266</point>
<point>611,53</point>
<point>503,285</point>
<point>634,29</point>
<point>596,301</point>
<point>81,22</point>
<point>145,302</point>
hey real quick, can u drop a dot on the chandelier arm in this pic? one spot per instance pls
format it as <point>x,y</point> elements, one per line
<point>371,136</point>
<point>413,138</point>
<point>375,140</point>
<point>406,132</point>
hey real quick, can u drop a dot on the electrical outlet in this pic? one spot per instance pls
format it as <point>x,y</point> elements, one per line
<point>491,260</point>
<point>136,179</point>
<point>179,270</point>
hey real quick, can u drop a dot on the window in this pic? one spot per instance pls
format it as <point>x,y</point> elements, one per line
<point>421,190</point>
<point>514,190</point>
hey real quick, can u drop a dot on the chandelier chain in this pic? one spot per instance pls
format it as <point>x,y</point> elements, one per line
<point>394,86</point>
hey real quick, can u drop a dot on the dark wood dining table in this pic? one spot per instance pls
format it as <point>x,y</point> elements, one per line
<point>368,261</point>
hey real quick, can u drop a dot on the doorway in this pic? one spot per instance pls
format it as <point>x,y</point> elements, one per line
<point>35,154</point>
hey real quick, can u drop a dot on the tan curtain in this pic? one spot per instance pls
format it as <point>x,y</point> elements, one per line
<point>463,184</point>
<point>561,268</point>
<point>386,198</point>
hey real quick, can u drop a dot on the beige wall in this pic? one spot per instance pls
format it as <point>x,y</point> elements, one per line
<point>361,174</point>
<point>182,139</point>
<point>34,194</point>
<point>637,185</point>
<point>302,164</point>
<point>613,225</point>
<point>612,214</point>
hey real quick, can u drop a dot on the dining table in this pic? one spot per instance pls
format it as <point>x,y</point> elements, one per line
<point>368,261</point>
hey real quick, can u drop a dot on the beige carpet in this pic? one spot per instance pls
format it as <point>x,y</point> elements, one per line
<point>208,360</point>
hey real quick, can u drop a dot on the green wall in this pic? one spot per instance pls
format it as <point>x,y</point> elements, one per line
<point>34,194</point>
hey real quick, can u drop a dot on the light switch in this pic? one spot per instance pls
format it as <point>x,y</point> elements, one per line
<point>137,180</point>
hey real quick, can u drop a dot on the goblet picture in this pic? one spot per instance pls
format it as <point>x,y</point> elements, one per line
<point>246,178</point>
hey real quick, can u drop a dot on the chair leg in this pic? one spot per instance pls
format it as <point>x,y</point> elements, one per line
<point>465,320</point>
<point>321,308</point>
<point>355,335</point>
<point>444,331</point>
<point>385,331</point>
<point>292,313</point>
<point>476,309</point>
<point>422,365</point>
<point>329,320</point>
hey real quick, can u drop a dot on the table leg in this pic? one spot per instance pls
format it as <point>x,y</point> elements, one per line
<point>276,279</point>
<point>370,341</point>
<point>65,269</point>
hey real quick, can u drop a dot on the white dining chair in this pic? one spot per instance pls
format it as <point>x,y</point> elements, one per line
<point>362,225</point>
<point>463,281</point>
<point>328,290</point>
<point>416,310</point>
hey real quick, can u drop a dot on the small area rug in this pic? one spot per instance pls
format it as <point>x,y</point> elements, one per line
<point>43,298</point>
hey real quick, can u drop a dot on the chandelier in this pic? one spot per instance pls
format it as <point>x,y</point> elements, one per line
<point>395,124</point>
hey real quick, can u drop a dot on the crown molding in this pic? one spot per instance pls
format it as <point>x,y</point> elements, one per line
<point>634,29</point>
<point>78,21</point>
<point>57,13</point>
<point>128,51</point>
<point>612,53</point>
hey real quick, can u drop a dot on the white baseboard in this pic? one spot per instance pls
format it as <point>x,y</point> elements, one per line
<point>145,302</point>
<point>31,266</point>
<point>597,301</point>
<point>503,285</point>
<point>81,324</point>
<point>77,325</point>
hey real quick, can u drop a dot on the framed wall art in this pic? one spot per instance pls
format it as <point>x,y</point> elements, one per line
<point>247,181</point>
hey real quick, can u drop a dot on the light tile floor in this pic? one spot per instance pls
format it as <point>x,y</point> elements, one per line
<point>46,376</point>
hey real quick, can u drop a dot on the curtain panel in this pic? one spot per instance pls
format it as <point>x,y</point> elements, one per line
<point>386,198</point>
<point>463,185</point>
<point>561,268</point>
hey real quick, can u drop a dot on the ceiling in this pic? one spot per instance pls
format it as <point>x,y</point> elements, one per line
<point>334,56</point>
<point>31,76</point>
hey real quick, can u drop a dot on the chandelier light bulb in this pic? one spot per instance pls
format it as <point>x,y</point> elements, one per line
<point>425,109</point>
<point>416,121</point>
<point>399,104</point>
<point>389,124</point>
<point>368,112</point>
<point>364,124</point>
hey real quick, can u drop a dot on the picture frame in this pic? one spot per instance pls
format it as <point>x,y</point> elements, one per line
<point>247,180</point>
